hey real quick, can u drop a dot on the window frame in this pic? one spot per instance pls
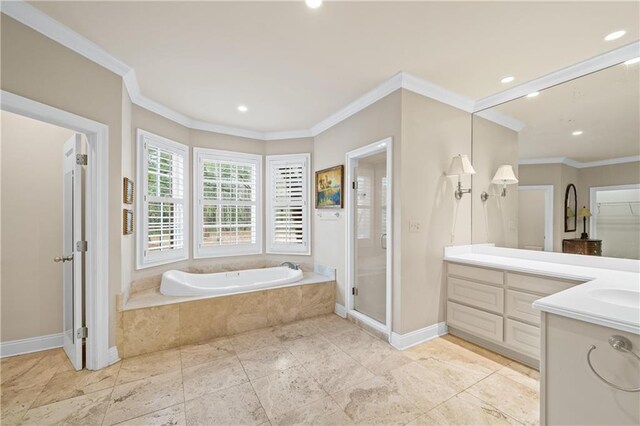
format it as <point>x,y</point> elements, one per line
<point>144,260</point>
<point>200,252</point>
<point>293,249</point>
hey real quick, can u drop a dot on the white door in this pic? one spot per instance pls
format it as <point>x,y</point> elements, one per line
<point>72,258</point>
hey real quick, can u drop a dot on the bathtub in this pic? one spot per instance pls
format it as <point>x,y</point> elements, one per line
<point>178,283</point>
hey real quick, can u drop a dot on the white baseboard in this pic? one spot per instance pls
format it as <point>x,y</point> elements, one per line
<point>32,344</point>
<point>113,355</point>
<point>407,340</point>
<point>341,310</point>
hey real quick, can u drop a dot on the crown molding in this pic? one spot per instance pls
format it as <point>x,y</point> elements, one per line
<point>389,86</point>
<point>577,164</point>
<point>597,63</point>
<point>41,22</point>
<point>502,119</point>
<point>46,25</point>
<point>433,91</point>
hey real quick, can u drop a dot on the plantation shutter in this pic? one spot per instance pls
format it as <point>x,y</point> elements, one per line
<point>228,197</point>
<point>288,209</point>
<point>163,170</point>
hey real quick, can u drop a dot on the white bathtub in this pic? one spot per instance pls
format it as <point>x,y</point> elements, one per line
<point>178,283</point>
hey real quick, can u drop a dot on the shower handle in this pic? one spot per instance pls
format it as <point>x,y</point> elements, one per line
<point>63,258</point>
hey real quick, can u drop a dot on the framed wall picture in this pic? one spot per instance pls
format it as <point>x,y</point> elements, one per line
<point>330,188</point>
<point>127,191</point>
<point>127,221</point>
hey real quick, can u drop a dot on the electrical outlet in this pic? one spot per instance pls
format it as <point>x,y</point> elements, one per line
<point>414,226</point>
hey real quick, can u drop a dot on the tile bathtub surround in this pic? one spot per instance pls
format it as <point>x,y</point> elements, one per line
<point>322,370</point>
<point>157,328</point>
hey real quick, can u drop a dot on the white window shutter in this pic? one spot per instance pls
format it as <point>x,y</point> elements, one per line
<point>288,204</point>
<point>162,209</point>
<point>227,198</point>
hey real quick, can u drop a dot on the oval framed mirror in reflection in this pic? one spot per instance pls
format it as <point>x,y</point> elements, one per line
<point>570,208</point>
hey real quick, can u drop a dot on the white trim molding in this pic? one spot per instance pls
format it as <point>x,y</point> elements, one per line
<point>113,355</point>
<point>340,310</point>
<point>31,344</point>
<point>577,164</point>
<point>413,338</point>
<point>96,216</point>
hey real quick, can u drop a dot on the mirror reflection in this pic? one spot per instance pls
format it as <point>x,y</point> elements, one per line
<point>574,150</point>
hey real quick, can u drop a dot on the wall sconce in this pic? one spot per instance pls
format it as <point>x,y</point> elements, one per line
<point>460,165</point>
<point>584,214</point>
<point>504,176</point>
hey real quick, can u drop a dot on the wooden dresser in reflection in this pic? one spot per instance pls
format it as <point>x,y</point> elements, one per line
<point>580,246</point>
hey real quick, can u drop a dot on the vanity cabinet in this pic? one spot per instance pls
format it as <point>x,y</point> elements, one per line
<point>492,307</point>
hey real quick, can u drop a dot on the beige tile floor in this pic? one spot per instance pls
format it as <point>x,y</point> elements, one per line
<point>319,371</point>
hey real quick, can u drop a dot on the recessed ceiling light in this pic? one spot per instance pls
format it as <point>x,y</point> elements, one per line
<point>632,61</point>
<point>533,94</point>
<point>507,79</point>
<point>243,108</point>
<point>577,133</point>
<point>313,4</point>
<point>615,35</point>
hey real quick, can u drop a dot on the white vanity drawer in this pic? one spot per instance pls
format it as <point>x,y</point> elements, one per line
<point>518,305</point>
<point>480,323</point>
<point>479,295</point>
<point>522,337</point>
<point>538,285</point>
<point>479,274</point>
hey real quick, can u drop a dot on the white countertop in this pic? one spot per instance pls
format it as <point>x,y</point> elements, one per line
<point>586,302</point>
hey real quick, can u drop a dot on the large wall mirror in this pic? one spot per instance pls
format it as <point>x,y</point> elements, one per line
<point>574,150</point>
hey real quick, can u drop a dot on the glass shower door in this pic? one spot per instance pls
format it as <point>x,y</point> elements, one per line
<point>371,237</point>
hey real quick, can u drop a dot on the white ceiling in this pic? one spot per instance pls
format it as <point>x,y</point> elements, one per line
<point>604,105</point>
<point>294,66</point>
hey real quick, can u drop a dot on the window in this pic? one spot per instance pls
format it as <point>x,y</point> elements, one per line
<point>163,166</point>
<point>288,204</point>
<point>227,203</point>
<point>363,205</point>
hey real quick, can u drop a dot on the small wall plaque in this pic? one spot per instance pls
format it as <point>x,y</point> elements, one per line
<point>127,221</point>
<point>127,191</point>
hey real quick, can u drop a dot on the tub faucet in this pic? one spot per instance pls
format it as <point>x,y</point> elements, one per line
<point>291,265</point>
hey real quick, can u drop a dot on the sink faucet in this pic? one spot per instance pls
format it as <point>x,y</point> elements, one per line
<point>291,265</point>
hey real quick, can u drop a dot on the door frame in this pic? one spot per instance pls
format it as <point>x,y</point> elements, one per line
<point>548,211</point>
<point>96,218</point>
<point>593,205</point>
<point>383,145</point>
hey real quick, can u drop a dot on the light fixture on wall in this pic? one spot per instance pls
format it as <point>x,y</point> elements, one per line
<point>504,176</point>
<point>584,214</point>
<point>460,166</point>
<point>313,4</point>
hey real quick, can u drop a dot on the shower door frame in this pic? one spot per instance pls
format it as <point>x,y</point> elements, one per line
<point>383,145</point>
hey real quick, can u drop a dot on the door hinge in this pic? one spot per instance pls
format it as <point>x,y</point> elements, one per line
<point>354,185</point>
<point>81,246</point>
<point>354,291</point>
<point>81,159</point>
<point>82,333</point>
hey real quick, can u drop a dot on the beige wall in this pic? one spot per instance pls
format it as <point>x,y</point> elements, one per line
<point>154,123</point>
<point>561,175</point>
<point>31,289</point>
<point>558,175</point>
<point>615,174</point>
<point>38,68</point>
<point>432,133</point>
<point>495,220</point>
<point>376,122</point>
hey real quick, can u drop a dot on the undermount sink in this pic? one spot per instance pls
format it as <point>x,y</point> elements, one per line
<point>616,296</point>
